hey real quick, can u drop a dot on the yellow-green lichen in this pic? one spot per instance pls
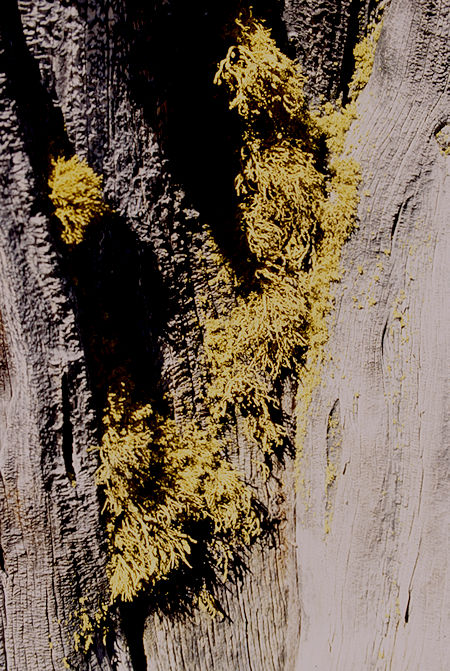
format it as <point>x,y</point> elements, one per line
<point>330,474</point>
<point>364,55</point>
<point>443,139</point>
<point>168,488</point>
<point>161,485</point>
<point>76,193</point>
<point>296,209</point>
<point>89,625</point>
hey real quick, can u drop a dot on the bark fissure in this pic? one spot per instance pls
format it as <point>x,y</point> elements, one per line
<point>67,432</point>
<point>348,61</point>
<point>406,617</point>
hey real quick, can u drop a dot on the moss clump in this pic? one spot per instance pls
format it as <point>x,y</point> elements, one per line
<point>443,139</point>
<point>90,625</point>
<point>168,489</point>
<point>162,486</point>
<point>364,55</point>
<point>76,193</point>
<point>297,205</point>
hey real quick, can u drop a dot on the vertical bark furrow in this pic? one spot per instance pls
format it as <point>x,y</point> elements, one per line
<point>323,34</point>
<point>50,532</point>
<point>5,377</point>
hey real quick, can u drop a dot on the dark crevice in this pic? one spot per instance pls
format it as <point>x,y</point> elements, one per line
<point>397,217</point>
<point>440,126</point>
<point>174,53</point>
<point>67,431</point>
<point>333,417</point>
<point>396,220</point>
<point>407,608</point>
<point>333,448</point>
<point>383,336</point>
<point>5,377</point>
<point>121,308</point>
<point>2,560</point>
<point>133,618</point>
<point>41,123</point>
<point>333,427</point>
<point>348,60</point>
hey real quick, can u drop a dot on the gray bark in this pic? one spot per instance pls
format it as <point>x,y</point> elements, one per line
<point>128,87</point>
<point>51,550</point>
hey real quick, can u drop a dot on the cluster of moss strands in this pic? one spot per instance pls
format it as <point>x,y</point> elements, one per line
<point>296,210</point>
<point>158,482</point>
<point>76,193</point>
<point>89,626</point>
<point>364,55</point>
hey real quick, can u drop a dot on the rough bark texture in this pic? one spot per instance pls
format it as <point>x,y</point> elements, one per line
<point>51,541</point>
<point>323,34</point>
<point>127,84</point>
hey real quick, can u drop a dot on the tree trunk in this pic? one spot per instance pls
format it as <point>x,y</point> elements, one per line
<point>354,573</point>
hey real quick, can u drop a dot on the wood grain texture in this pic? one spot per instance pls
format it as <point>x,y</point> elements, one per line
<point>374,590</point>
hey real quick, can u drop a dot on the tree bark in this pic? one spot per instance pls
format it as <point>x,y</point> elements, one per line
<point>354,575</point>
<point>52,548</point>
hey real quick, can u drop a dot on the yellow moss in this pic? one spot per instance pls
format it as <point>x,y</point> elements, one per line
<point>364,54</point>
<point>76,193</point>
<point>260,78</point>
<point>158,483</point>
<point>296,211</point>
<point>89,625</point>
<point>330,475</point>
<point>327,522</point>
<point>208,604</point>
<point>443,140</point>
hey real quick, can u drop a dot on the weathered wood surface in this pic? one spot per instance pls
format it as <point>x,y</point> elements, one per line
<point>323,34</point>
<point>374,590</point>
<point>131,82</point>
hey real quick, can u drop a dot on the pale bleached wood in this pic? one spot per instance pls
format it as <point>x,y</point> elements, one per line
<point>374,590</point>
